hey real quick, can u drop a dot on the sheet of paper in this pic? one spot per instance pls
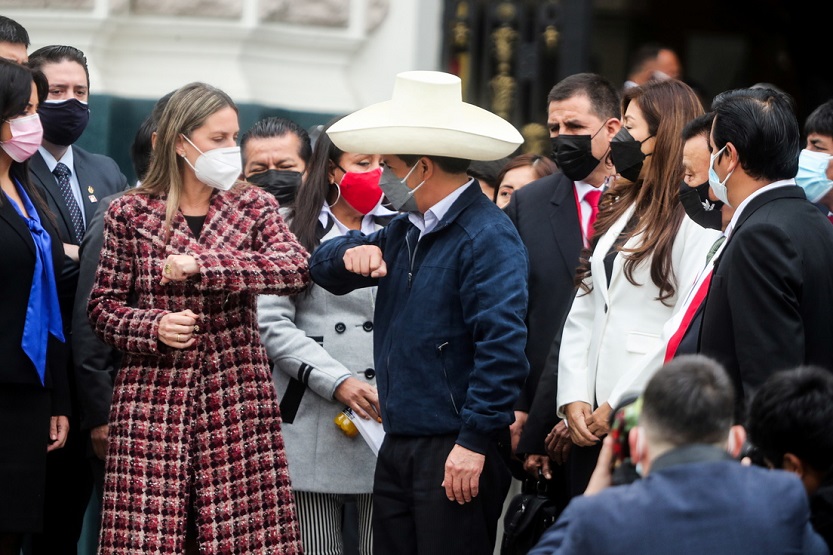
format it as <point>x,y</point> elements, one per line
<point>372,431</point>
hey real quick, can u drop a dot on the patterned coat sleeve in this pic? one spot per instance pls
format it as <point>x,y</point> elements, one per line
<point>128,329</point>
<point>276,265</point>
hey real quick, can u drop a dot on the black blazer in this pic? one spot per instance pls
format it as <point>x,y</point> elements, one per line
<point>771,294</point>
<point>94,171</point>
<point>18,264</point>
<point>545,214</point>
<point>96,362</point>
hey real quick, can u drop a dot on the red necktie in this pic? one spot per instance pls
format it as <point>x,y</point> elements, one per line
<point>675,340</point>
<point>592,198</point>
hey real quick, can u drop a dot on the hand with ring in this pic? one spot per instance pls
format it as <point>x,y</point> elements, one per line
<point>179,267</point>
<point>177,329</point>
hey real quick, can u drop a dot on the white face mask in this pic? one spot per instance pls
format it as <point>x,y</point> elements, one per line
<point>219,168</point>
<point>719,187</point>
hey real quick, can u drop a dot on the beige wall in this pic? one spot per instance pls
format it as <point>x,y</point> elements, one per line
<point>313,55</point>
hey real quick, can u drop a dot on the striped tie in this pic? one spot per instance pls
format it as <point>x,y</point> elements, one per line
<point>62,172</point>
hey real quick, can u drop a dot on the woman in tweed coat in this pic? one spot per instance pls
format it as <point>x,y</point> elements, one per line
<point>322,349</point>
<point>195,457</point>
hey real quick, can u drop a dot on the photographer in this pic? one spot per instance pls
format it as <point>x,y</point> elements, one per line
<point>694,497</point>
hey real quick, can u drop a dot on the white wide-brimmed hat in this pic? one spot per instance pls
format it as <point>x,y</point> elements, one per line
<point>426,116</point>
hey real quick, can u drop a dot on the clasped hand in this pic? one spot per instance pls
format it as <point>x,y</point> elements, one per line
<point>176,329</point>
<point>587,426</point>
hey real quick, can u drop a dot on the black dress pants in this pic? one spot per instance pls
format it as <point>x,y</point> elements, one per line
<point>69,483</point>
<point>580,466</point>
<point>411,513</point>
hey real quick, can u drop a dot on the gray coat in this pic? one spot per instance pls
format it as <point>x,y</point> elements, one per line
<point>319,339</point>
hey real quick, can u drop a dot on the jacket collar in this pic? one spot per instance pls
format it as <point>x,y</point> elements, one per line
<point>42,175</point>
<point>472,193</point>
<point>564,219</point>
<point>565,194</point>
<point>697,452</point>
<point>765,198</point>
<point>603,246</point>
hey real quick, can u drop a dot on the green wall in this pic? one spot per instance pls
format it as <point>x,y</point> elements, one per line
<point>114,121</point>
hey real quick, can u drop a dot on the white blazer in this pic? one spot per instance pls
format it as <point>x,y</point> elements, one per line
<point>613,339</point>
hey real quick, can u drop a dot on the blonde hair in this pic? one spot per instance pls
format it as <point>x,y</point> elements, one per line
<point>187,109</point>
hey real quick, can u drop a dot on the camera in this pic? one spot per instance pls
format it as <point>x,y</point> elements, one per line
<point>622,420</point>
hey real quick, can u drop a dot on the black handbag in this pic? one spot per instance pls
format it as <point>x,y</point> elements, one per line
<point>527,517</point>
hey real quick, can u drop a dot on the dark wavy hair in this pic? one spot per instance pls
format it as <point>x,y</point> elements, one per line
<point>303,216</point>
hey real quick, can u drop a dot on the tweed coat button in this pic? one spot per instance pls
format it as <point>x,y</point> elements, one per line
<point>367,326</point>
<point>370,373</point>
<point>340,328</point>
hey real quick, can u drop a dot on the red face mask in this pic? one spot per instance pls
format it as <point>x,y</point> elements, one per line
<point>361,190</point>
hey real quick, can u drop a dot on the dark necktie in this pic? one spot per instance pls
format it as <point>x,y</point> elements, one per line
<point>62,172</point>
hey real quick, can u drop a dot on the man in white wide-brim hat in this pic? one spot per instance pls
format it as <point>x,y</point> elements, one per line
<point>449,320</point>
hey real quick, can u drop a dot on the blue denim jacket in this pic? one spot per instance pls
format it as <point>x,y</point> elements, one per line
<point>449,331</point>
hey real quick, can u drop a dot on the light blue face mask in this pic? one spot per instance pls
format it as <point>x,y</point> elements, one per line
<point>719,187</point>
<point>812,174</point>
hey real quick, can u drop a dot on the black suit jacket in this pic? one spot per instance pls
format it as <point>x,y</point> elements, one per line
<point>95,171</point>
<point>18,264</point>
<point>96,362</point>
<point>771,294</point>
<point>545,214</point>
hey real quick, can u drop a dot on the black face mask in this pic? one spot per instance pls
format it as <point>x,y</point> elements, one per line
<point>63,122</point>
<point>573,154</point>
<point>283,184</point>
<point>626,154</point>
<point>699,207</point>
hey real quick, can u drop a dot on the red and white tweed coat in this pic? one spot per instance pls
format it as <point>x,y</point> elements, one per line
<point>204,420</point>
